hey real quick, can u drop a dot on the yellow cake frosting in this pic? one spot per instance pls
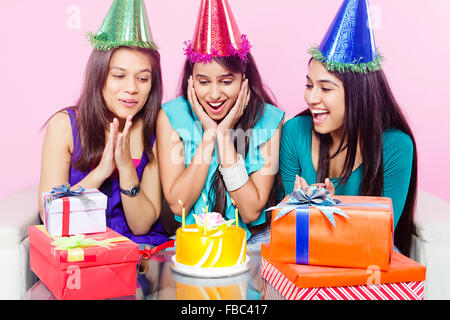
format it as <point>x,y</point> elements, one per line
<point>222,246</point>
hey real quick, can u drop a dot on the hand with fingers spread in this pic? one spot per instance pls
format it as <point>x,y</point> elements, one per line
<point>237,110</point>
<point>300,182</point>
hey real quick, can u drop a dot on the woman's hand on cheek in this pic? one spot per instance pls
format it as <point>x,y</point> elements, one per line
<point>208,124</point>
<point>122,155</point>
<point>237,110</point>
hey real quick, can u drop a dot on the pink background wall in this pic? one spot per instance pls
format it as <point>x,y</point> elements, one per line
<point>44,52</point>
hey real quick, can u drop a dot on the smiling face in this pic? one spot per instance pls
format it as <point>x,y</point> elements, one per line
<point>216,87</point>
<point>128,82</point>
<point>325,96</point>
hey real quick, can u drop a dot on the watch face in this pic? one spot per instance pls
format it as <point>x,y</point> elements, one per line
<point>134,191</point>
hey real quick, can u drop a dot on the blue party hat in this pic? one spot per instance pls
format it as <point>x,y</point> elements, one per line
<point>349,44</point>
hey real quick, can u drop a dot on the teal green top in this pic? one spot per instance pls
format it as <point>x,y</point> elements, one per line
<point>184,121</point>
<point>295,158</point>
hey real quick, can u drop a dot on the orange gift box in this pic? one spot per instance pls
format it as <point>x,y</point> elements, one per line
<point>94,272</point>
<point>305,236</point>
<point>404,279</point>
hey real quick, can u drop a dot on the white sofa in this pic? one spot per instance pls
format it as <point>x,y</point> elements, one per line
<point>431,245</point>
<point>17,212</point>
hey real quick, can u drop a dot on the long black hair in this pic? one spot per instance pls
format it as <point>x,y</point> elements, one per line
<point>370,109</point>
<point>258,97</point>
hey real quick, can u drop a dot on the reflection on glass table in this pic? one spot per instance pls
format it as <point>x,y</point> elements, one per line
<point>157,280</point>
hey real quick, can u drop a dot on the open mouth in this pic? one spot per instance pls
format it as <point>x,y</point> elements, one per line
<point>129,103</point>
<point>216,107</point>
<point>319,115</point>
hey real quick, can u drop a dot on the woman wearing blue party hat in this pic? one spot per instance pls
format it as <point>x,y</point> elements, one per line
<point>353,139</point>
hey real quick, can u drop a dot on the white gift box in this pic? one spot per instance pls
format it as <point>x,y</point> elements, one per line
<point>75,214</point>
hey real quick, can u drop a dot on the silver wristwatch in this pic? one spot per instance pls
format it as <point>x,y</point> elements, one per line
<point>132,192</point>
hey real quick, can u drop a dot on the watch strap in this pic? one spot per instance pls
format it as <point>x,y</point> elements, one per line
<point>132,192</point>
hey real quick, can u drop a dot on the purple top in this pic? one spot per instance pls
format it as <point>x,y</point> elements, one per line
<point>115,216</point>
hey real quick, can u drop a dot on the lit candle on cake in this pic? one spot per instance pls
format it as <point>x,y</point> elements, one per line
<point>183,215</point>
<point>206,202</point>
<point>235,212</point>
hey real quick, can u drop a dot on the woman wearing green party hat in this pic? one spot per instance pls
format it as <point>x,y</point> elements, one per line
<point>107,140</point>
<point>353,139</point>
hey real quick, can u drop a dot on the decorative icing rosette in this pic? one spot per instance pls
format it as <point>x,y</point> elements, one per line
<point>214,220</point>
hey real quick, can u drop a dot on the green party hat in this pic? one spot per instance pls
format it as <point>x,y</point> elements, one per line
<point>126,24</point>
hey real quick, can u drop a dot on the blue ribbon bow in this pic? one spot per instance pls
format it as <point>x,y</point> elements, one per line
<point>312,196</point>
<point>64,191</point>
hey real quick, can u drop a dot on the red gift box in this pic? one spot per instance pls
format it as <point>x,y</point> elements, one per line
<point>404,280</point>
<point>85,273</point>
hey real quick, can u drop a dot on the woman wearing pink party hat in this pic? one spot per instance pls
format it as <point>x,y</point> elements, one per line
<point>220,137</point>
<point>353,139</point>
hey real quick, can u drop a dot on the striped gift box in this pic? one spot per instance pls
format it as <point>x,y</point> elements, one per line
<point>282,282</point>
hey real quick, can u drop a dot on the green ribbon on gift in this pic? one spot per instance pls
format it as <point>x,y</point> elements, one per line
<point>80,241</point>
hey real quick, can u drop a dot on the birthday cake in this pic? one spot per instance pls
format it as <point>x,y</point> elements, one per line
<point>214,244</point>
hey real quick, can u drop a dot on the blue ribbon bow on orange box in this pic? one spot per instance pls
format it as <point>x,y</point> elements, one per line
<point>312,196</point>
